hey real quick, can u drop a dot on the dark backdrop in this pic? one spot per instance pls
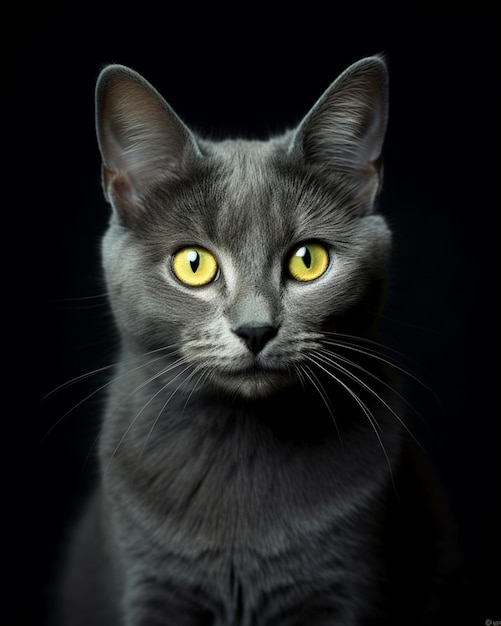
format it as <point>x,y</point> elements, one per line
<point>248,70</point>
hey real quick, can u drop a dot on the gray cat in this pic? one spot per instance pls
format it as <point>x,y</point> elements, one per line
<point>255,465</point>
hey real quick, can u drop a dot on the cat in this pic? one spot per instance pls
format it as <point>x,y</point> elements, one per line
<point>255,464</point>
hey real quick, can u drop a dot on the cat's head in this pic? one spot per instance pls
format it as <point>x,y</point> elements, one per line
<point>244,256</point>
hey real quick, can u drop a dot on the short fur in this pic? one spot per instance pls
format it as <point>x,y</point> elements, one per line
<point>268,483</point>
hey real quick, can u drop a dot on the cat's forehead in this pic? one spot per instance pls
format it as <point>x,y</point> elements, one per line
<point>244,168</point>
<point>247,194</point>
<point>262,199</point>
<point>247,198</point>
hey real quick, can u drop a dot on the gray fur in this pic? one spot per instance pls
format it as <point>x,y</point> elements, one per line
<point>242,489</point>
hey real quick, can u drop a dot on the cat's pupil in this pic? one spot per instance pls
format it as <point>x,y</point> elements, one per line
<point>306,256</point>
<point>194,259</point>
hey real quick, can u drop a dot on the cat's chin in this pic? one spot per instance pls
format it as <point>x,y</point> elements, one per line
<point>254,384</point>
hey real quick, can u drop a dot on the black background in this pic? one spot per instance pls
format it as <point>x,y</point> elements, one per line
<point>248,69</point>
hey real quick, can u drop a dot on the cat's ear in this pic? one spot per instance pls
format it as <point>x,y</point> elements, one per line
<point>141,139</point>
<point>345,129</point>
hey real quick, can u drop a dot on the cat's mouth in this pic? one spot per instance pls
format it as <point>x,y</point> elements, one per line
<point>255,380</point>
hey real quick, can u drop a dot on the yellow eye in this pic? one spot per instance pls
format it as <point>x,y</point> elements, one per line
<point>308,262</point>
<point>194,266</point>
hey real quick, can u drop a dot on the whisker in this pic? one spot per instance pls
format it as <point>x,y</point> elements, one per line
<point>163,371</point>
<point>332,360</point>
<point>74,408</point>
<point>310,374</point>
<point>159,414</point>
<point>100,388</point>
<point>98,370</point>
<point>357,341</point>
<point>300,375</point>
<point>380,356</point>
<point>83,303</point>
<point>77,379</point>
<point>204,373</point>
<point>123,400</point>
<point>97,296</point>
<point>365,409</point>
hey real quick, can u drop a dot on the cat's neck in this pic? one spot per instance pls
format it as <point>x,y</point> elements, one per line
<point>251,456</point>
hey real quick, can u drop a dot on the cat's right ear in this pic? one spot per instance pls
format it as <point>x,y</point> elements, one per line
<point>345,129</point>
<point>142,141</point>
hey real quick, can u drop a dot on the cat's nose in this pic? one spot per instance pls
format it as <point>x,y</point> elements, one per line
<point>256,337</point>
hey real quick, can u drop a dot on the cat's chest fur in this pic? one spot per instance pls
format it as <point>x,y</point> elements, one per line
<point>221,473</point>
<point>227,492</point>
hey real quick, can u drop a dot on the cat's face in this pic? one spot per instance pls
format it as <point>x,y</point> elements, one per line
<point>243,257</point>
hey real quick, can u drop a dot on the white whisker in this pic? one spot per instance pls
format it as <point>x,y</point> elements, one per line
<point>95,372</point>
<point>98,370</point>
<point>330,359</point>
<point>356,346</point>
<point>162,372</point>
<point>310,374</point>
<point>164,406</point>
<point>125,399</point>
<point>359,342</point>
<point>204,373</point>
<point>365,409</point>
<point>77,379</point>
<point>300,375</point>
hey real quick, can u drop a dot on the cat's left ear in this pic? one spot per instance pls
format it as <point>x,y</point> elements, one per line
<point>141,139</point>
<point>345,129</point>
